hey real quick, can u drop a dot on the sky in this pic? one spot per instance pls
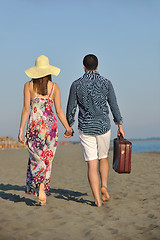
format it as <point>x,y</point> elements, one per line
<point>123,34</point>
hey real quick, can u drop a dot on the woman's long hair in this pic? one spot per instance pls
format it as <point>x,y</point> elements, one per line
<point>40,85</point>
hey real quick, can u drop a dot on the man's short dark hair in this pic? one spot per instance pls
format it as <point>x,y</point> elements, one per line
<point>90,61</point>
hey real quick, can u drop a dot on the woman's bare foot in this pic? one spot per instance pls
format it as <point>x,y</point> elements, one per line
<point>42,194</point>
<point>42,197</point>
<point>105,195</point>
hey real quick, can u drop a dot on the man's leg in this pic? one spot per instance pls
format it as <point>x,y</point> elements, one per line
<point>89,147</point>
<point>94,180</point>
<point>104,169</point>
<point>103,148</point>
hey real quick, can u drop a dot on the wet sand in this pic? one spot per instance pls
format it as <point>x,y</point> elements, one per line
<point>133,211</point>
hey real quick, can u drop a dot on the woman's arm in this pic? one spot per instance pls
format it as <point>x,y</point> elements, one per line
<point>60,113</point>
<point>25,111</point>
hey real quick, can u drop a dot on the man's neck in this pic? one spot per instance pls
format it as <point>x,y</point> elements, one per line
<point>87,70</point>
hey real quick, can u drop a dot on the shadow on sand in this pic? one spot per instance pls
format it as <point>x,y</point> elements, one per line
<point>70,195</point>
<point>64,194</point>
<point>14,197</point>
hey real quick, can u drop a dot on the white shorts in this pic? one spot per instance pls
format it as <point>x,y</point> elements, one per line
<point>95,146</point>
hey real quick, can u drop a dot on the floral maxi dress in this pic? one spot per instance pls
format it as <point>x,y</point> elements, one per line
<point>41,141</point>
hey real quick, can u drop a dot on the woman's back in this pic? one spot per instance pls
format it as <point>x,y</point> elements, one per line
<point>34,93</point>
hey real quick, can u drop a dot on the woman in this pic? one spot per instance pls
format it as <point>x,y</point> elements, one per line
<point>42,133</point>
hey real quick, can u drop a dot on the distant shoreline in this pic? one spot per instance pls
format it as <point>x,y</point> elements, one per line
<point>9,142</point>
<point>145,140</point>
<point>129,139</point>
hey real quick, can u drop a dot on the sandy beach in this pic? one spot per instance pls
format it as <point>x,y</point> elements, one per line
<point>133,211</point>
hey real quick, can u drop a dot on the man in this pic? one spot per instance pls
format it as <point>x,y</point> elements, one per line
<point>91,93</point>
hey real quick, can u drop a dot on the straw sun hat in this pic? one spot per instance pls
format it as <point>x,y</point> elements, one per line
<point>42,68</point>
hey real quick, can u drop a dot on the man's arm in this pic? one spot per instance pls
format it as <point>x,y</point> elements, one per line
<point>71,105</point>
<point>112,101</point>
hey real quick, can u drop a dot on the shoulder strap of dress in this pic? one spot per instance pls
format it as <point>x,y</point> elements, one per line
<point>51,92</point>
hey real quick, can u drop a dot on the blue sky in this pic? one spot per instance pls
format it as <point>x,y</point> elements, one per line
<point>124,34</point>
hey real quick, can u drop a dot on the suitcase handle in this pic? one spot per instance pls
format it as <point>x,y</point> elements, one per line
<point>120,137</point>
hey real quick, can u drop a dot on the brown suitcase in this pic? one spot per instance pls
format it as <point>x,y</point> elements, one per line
<point>122,155</point>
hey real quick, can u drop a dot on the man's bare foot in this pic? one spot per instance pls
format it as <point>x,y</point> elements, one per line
<point>98,204</point>
<point>105,195</point>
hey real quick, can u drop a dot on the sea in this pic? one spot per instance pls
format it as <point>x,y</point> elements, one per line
<point>145,146</point>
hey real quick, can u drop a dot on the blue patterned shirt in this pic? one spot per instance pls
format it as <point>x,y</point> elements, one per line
<point>92,93</point>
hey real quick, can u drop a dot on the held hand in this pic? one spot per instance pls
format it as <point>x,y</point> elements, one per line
<point>120,131</point>
<point>68,133</point>
<point>20,137</point>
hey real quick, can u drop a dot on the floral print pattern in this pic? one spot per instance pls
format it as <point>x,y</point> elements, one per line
<point>41,140</point>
